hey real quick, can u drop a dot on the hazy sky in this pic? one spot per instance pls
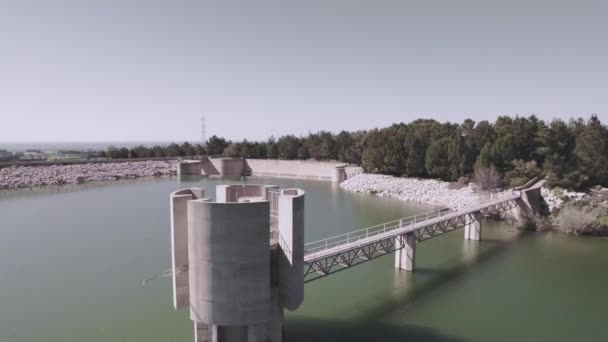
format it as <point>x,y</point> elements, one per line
<point>144,69</point>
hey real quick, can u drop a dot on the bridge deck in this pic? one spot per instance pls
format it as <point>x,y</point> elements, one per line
<point>354,240</point>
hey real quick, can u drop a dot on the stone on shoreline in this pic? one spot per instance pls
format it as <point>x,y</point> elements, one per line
<point>15,177</point>
<point>426,191</point>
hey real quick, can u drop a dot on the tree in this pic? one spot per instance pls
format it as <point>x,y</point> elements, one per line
<point>560,165</point>
<point>232,151</point>
<point>522,172</point>
<point>288,147</point>
<point>216,145</point>
<point>394,152</point>
<point>372,156</point>
<point>344,141</point>
<point>174,150</point>
<point>188,149</point>
<point>158,151</point>
<point>112,152</point>
<point>272,150</point>
<point>592,152</point>
<point>261,150</point>
<point>456,157</point>
<point>321,145</point>
<point>415,164</point>
<point>437,163</point>
<point>488,178</point>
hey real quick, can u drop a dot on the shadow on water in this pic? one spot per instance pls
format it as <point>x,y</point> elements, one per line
<point>436,279</point>
<point>309,330</point>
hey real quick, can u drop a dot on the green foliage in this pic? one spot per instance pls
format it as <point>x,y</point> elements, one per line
<point>592,152</point>
<point>216,145</point>
<point>415,164</point>
<point>522,172</point>
<point>232,151</point>
<point>113,152</point>
<point>372,157</point>
<point>437,162</point>
<point>485,157</point>
<point>572,155</point>
<point>288,147</point>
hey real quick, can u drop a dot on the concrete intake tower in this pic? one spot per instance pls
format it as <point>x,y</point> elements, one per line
<point>238,262</point>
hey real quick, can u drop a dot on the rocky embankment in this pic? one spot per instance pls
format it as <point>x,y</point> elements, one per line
<point>426,191</point>
<point>28,176</point>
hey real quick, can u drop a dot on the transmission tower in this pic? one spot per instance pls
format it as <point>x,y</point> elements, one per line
<point>203,130</point>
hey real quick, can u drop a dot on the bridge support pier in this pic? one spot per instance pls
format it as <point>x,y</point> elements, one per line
<point>472,231</point>
<point>405,252</point>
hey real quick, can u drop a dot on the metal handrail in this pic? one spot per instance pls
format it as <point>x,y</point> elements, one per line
<point>359,235</point>
<point>377,230</point>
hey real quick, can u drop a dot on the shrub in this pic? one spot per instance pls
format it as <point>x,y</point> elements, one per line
<point>522,172</point>
<point>577,220</point>
<point>488,178</point>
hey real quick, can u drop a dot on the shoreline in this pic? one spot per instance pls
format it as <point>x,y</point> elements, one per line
<point>423,191</point>
<point>21,177</point>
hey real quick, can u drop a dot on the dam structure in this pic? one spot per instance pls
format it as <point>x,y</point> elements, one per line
<point>240,261</point>
<point>237,167</point>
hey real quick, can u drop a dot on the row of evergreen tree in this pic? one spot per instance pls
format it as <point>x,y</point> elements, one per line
<point>571,154</point>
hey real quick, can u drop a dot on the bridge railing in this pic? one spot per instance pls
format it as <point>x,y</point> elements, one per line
<point>378,230</point>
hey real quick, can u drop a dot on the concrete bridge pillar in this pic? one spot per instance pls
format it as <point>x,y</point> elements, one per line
<point>405,254</point>
<point>472,231</point>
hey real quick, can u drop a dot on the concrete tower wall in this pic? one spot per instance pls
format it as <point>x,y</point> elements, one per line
<point>229,260</point>
<point>179,244</point>
<point>232,193</point>
<point>291,264</point>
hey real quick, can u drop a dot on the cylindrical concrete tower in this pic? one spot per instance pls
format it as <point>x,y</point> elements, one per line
<point>229,262</point>
<point>239,278</point>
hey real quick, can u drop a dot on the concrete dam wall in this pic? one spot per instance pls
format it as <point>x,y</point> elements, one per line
<point>227,167</point>
<point>306,169</point>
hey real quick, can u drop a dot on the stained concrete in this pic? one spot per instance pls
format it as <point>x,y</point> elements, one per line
<point>238,282</point>
<point>472,230</point>
<point>405,254</point>
<point>179,243</point>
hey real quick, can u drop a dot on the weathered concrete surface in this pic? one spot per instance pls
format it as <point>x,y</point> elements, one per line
<point>228,167</point>
<point>179,244</point>
<point>223,167</point>
<point>472,231</point>
<point>202,333</point>
<point>232,193</point>
<point>305,169</point>
<point>239,281</point>
<point>339,174</point>
<point>405,255</point>
<point>291,228</point>
<point>229,262</point>
<point>189,167</point>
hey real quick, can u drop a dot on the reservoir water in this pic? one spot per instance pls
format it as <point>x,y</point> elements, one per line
<point>73,259</point>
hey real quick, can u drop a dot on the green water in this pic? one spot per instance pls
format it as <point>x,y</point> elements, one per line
<point>72,262</point>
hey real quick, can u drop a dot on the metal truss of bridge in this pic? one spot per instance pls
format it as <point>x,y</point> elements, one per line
<point>331,255</point>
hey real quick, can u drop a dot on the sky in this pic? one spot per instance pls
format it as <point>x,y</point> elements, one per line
<point>107,70</point>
